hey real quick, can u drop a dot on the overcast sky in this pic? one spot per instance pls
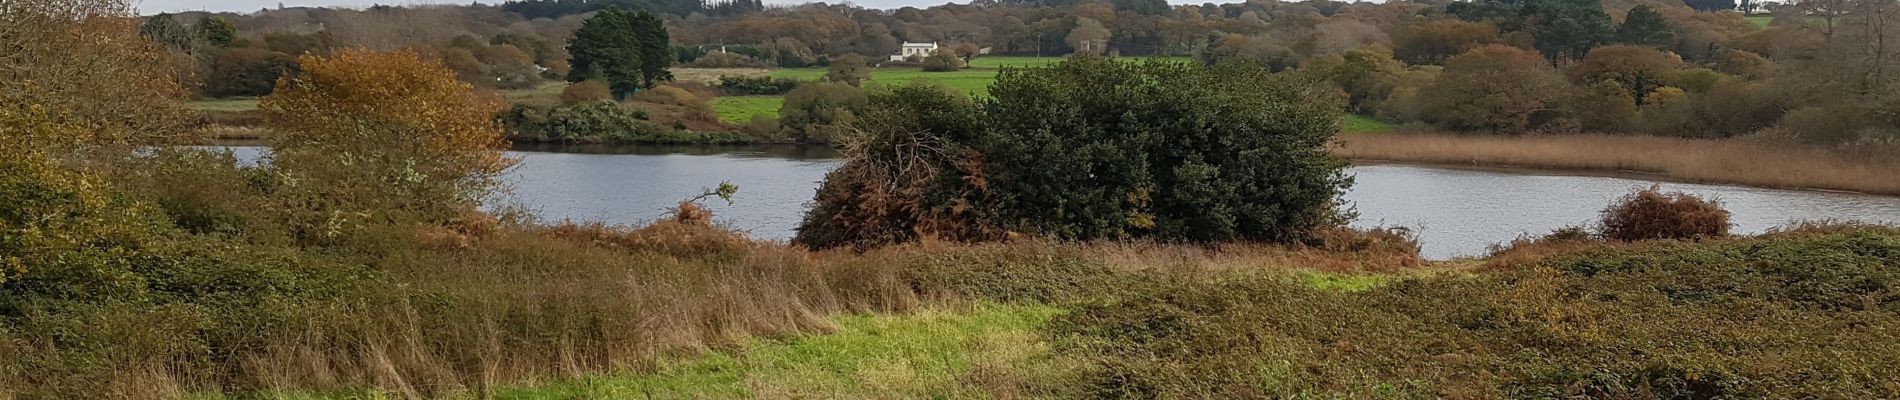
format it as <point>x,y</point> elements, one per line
<point>157,6</point>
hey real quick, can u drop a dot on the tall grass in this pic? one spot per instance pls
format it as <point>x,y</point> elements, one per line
<point>1740,161</point>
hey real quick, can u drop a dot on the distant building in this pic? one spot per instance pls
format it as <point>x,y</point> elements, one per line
<point>919,50</point>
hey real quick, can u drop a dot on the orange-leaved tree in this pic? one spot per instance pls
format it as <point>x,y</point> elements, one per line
<point>368,136</point>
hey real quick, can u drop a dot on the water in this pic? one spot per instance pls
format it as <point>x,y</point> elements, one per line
<point>1456,212</point>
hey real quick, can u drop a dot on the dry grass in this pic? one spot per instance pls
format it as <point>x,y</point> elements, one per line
<point>1740,161</point>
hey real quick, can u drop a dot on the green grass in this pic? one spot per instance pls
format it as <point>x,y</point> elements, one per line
<point>1363,124</point>
<point>230,104</point>
<point>1760,21</point>
<point>740,109</point>
<point>1342,282</point>
<point>930,353</point>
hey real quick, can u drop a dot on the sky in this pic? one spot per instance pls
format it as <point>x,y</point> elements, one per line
<point>149,7</point>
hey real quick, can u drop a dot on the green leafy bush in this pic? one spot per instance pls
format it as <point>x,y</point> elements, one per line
<point>1098,149</point>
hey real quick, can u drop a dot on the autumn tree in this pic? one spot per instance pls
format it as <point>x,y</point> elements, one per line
<point>849,68</point>
<point>1637,69</point>
<point>1493,88</point>
<point>85,60</point>
<point>368,136</point>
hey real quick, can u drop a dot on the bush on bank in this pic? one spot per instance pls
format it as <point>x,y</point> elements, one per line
<point>599,122</point>
<point>1090,148</point>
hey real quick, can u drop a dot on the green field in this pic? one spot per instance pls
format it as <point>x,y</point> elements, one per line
<point>1760,21</point>
<point>1365,124</point>
<point>917,355</point>
<point>740,109</point>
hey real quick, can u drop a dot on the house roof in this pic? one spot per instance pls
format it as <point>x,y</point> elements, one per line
<point>930,44</point>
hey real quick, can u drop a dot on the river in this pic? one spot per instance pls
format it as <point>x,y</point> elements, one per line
<point>1455,211</point>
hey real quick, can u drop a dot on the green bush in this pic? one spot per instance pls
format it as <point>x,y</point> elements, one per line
<point>599,122</point>
<point>756,85</point>
<point>820,112</point>
<point>1093,148</point>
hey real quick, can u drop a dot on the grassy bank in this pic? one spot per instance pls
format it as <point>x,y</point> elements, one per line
<point>1738,161</point>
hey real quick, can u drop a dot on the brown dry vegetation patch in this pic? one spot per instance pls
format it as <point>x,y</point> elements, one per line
<point>1742,161</point>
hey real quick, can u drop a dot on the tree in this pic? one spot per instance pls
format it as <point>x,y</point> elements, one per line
<point>1494,88</point>
<point>164,29</point>
<point>246,72</point>
<point>819,112</point>
<point>510,67</point>
<point>389,136</point>
<point>616,46</point>
<point>1088,37</point>
<point>1710,5</point>
<point>84,61</point>
<point>1638,69</point>
<point>943,60</point>
<point>849,68</point>
<point>1645,27</point>
<point>1569,28</point>
<point>1433,42</point>
<point>218,32</point>
<point>1091,148</point>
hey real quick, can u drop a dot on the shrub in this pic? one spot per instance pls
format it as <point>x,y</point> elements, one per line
<point>1650,214</point>
<point>1096,149</point>
<point>371,136</point>
<point>763,85</point>
<point>695,107</point>
<point>942,60</point>
<point>585,92</point>
<point>1494,88</point>
<point>820,112</point>
<point>849,68</point>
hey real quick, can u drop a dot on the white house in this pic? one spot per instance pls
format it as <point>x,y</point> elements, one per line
<point>915,49</point>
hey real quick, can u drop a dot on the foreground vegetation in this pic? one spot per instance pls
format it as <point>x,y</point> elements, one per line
<point>1201,255</point>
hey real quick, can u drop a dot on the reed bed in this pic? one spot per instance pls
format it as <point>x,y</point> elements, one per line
<point>1754,162</point>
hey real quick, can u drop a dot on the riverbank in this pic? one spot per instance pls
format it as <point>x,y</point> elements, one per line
<point>1737,161</point>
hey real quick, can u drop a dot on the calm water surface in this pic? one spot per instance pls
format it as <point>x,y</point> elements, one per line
<point>1456,212</point>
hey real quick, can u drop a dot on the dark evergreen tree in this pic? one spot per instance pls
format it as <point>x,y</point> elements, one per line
<point>1644,26</point>
<point>218,31</point>
<point>1710,5</point>
<point>656,51</point>
<point>1569,28</point>
<point>164,29</point>
<point>608,47</point>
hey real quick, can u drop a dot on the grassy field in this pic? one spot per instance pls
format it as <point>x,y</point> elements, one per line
<point>1760,21</point>
<point>1365,124</point>
<point>740,109</point>
<point>992,62</point>
<point>917,355</point>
